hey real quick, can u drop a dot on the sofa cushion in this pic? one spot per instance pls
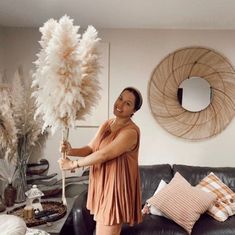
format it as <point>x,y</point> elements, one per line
<point>154,225</point>
<point>181,202</point>
<point>151,177</point>
<point>194,174</point>
<point>225,202</point>
<point>207,225</point>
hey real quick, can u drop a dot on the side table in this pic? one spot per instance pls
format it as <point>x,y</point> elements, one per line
<point>53,228</point>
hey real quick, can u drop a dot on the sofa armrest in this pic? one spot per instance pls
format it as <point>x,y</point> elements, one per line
<point>83,222</point>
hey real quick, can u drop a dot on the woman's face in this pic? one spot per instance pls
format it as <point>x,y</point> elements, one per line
<point>124,106</point>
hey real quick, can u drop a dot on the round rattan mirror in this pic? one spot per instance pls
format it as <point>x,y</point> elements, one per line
<point>163,93</point>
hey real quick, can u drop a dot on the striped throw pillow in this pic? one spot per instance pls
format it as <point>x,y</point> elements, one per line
<point>182,202</point>
<point>225,202</point>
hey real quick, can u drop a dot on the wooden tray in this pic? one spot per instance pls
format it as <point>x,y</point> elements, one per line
<point>47,205</point>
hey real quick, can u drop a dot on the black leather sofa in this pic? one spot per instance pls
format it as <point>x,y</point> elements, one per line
<point>80,222</point>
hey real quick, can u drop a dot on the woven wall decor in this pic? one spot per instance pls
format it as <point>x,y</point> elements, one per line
<point>169,74</point>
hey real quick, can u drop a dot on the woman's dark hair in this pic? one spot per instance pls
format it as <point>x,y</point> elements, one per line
<point>138,96</point>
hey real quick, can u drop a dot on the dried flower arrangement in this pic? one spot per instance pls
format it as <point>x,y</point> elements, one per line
<point>19,131</point>
<point>28,127</point>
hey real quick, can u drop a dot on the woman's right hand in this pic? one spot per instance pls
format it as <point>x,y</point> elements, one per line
<point>65,147</point>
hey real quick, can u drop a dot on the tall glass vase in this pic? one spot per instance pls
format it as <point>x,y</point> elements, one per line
<point>20,181</point>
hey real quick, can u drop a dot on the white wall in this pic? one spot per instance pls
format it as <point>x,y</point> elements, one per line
<point>1,73</point>
<point>1,52</point>
<point>133,56</point>
<point>21,46</point>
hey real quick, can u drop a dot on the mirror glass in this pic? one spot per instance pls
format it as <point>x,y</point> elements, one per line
<point>194,94</point>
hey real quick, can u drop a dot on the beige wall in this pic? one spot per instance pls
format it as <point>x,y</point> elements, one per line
<point>133,56</point>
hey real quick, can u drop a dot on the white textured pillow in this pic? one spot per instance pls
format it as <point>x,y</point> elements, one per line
<point>154,210</point>
<point>12,225</point>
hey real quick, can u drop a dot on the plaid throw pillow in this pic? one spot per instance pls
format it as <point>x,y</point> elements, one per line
<point>225,203</point>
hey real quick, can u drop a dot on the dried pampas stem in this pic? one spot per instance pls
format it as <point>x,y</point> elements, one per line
<point>24,108</point>
<point>8,138</point>
<point>65,136</point>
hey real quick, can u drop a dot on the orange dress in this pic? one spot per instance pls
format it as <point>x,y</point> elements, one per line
<point>114,195</point>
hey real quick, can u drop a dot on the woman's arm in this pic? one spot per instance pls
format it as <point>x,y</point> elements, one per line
<point>124,142</point>
<point>79,152</point>
<point>83,151</point>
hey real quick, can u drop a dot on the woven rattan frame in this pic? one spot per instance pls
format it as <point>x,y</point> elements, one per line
<point>183,64</point>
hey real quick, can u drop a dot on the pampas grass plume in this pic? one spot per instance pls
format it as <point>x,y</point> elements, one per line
<point>66,82</point>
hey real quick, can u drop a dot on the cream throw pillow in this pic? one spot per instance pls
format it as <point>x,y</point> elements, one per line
<point>182,202</point>
<point>12,225</point>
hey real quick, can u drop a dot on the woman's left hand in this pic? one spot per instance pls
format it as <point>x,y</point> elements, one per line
<point>66,164</point>
<point>145,210</point>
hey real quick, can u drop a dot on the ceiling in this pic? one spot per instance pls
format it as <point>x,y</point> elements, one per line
<point>151,14</point>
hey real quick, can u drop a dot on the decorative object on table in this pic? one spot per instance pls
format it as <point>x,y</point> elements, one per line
<point>172,71</point>
<point>47,183</point>
<point>28,212</point>
<point>2,205</point>
<point>29,133</point>
<point>37,179</point>
<point>65,77</point>
<point>7,172</point>
<point>53,211</point>
<point>34,198</point>
<point>38,168</point>
<point>10,195</point>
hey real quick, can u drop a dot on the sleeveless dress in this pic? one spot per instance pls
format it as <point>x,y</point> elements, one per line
<point>114,195</point>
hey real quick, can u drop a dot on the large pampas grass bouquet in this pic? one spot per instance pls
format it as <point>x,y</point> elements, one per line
<point>66,76</point>
<point>20,132</point>
<point>29,128</point>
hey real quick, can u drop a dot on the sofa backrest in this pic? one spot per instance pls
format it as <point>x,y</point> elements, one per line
<point>194,174</point>
<point>151,177</point>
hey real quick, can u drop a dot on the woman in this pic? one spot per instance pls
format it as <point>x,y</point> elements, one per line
<point>114,189</point>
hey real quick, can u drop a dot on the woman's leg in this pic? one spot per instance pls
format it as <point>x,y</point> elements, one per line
<point>108,230</point>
